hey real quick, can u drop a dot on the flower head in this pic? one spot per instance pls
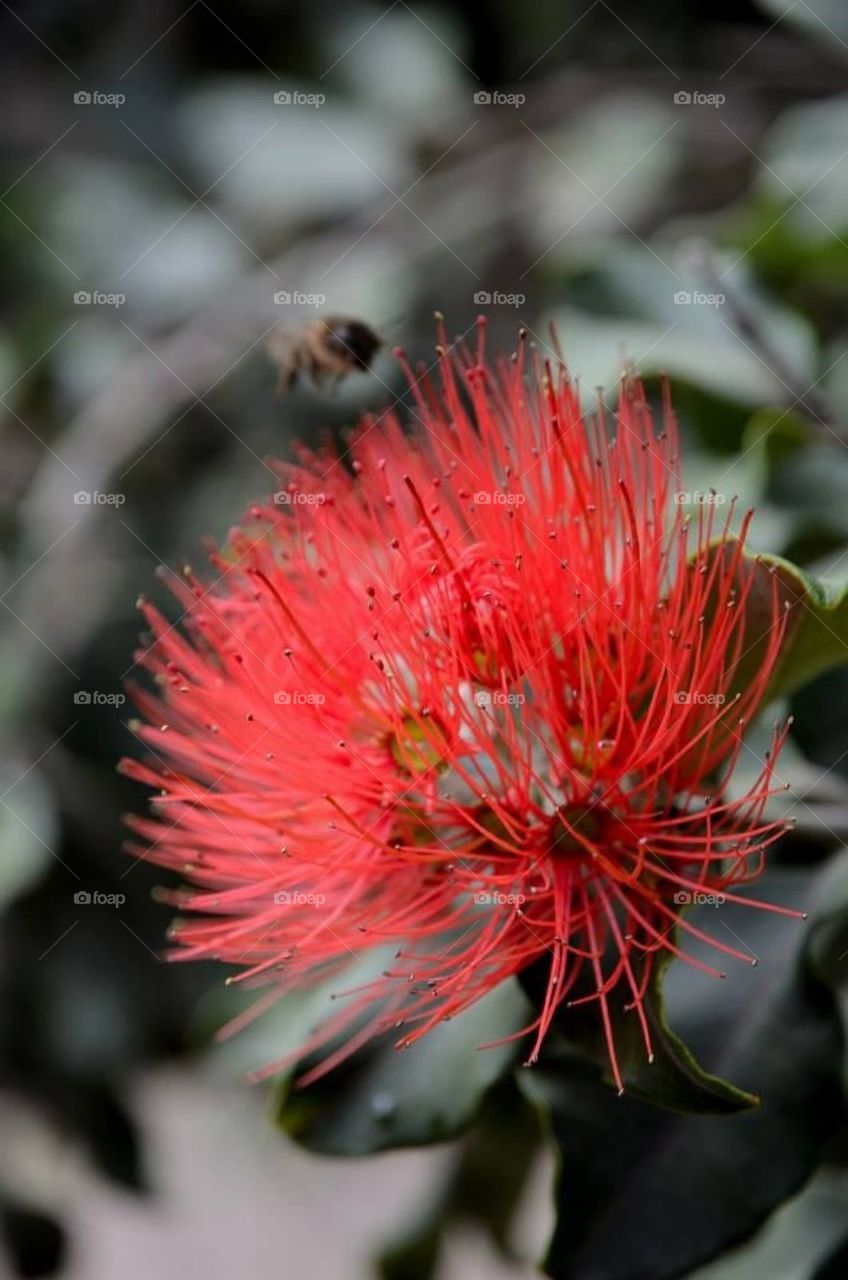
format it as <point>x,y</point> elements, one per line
<point>471,693</point>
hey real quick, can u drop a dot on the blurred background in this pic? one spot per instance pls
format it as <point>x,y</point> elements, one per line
<point>669,184</point>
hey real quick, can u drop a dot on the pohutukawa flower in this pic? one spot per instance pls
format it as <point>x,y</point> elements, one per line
<point>471,694</point>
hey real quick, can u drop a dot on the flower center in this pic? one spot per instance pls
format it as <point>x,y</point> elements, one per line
<point>575,828</point>
<point>412,749</point>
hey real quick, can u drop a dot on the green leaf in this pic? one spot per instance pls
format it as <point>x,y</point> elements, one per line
<point>819,638</point>
<point>794,1241</point>
<point>386,1098</point>
<point>644,1194</point>
<point>674,1079</point>
<point>816,636</point>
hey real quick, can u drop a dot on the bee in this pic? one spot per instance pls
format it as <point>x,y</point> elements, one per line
<point>330,347</point>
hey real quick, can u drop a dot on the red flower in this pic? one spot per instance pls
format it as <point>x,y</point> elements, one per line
<point>471,697</point>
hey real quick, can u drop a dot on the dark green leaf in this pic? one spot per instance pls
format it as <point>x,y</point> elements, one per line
<point>495,1163</point>
<point>817,632</point>
<point>387,1098</point>
<point>816,636</point>
<point>647,1195</point>
<point>674,1079</point>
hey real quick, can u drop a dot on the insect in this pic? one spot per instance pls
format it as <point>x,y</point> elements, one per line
<point>329,347</point>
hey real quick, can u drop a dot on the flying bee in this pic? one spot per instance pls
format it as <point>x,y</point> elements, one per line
<point>329,347</point>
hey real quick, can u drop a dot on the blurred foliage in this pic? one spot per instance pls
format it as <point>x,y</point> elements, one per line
<point>383,1099</point>
<point>602,203</point>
